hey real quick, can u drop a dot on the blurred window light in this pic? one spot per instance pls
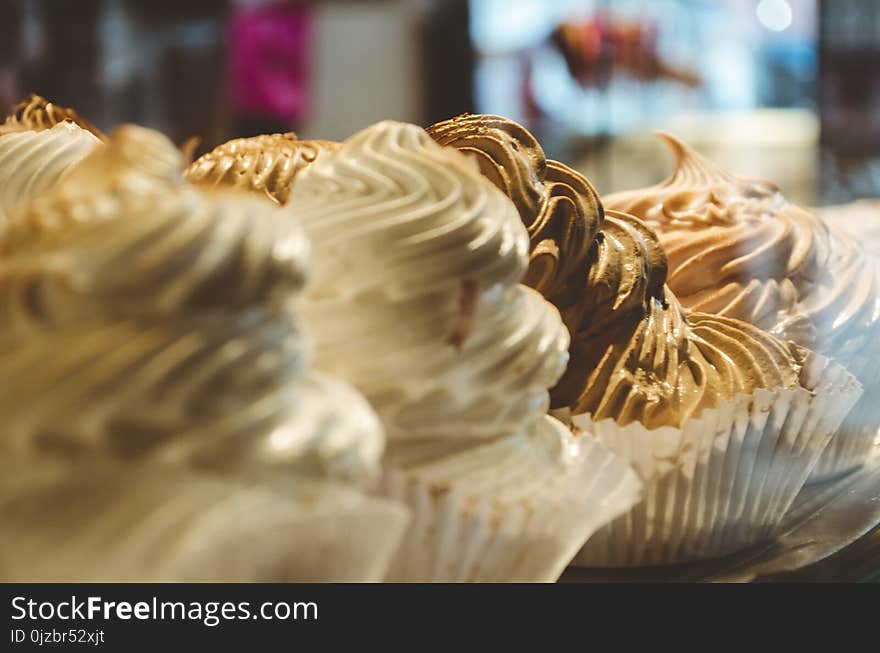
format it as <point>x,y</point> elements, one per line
<point>775,15</point>
<point>501,25</point>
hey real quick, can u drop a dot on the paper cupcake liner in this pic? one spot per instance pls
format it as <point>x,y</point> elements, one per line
<point>723,481</point>
<point>852,444</point>
<point>513,510</point>
<point>169,525</point>
<point>848,450</point>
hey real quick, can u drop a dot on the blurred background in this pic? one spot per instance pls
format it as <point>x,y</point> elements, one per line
<point>784,89</point>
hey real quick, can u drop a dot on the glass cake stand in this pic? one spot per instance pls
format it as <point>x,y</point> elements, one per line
<point>831,533</point>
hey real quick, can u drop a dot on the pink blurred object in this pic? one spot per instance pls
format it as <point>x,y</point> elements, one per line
<point>269,60</point>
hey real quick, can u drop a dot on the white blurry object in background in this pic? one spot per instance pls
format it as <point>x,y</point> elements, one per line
<point>775,15</point>
<point>365,66</point>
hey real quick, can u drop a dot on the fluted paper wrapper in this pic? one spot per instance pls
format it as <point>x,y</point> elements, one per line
<point>851,446</point>
<point>854,441</point>
<point>723,481</point>
<point>166,525</point>
<point>512,510</point>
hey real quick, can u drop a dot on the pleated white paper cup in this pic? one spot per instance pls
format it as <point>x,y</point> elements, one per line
<point>851,446</point>
<point>854,441</point>
<point>512,510</point>
<point>160,524</point>
<point>723,481</point>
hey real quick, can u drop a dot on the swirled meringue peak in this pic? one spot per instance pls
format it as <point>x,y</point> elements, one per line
<point>635,354</point>
<point>639,357</point>
<point>414,295</point>
<point>32,161</point>
<point>559,207</point>
<point>143,318</point>
<point>737,247</point>
<point>124,236</point>
<point>265,164</point>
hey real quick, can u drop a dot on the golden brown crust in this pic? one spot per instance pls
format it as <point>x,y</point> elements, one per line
<point>639,356</point>
<point>559,207</point>
<point>36,113</point>
<point>264,164</point>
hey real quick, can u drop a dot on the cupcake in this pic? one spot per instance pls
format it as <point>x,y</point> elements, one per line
<point>161,418</point>
<point>415,299</point>
<point>264,164</point>
<point>738,248</point>
<point>722,420</point>
<point>39,143</point>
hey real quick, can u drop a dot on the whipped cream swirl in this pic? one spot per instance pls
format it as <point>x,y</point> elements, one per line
<point>559,207</point>
<point>738,248</point>
<point>643,358</point>
<point>414,294</point>
<point>141,318</point>
<point>32,161</point>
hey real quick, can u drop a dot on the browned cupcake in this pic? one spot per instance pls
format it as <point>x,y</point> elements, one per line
<point>636,355</point>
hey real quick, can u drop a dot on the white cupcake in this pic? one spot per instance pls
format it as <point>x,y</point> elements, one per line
<point>140,341</point>
<point>415,300</point>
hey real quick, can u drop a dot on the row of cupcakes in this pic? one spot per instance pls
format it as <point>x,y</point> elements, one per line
<point>420,240</point>
<point>156,333</point>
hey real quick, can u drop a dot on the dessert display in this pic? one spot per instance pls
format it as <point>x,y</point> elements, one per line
<point>415,355</point>
<point>736,247</point>
<point>264,164</point>
<point>415,299</point>
<point>722,420</point>
<point>161,417</point>
<point>39,143</point>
